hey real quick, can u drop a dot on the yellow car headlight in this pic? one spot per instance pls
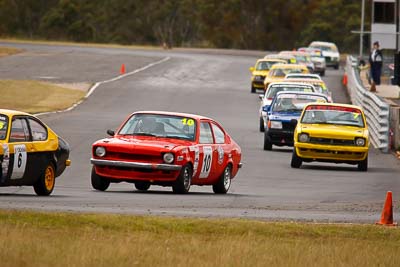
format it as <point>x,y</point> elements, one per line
<point>303,137</point>
<point>360,141</point>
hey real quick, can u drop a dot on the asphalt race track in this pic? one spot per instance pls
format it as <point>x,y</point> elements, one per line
<point>211,83</point>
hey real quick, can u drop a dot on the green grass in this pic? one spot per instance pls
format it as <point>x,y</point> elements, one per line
<point>36,97</point>
<point>72,239</point>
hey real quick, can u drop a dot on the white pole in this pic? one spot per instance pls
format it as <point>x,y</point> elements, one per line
<point>362,28</point>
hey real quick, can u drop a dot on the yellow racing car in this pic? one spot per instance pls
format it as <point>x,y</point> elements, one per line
<point>331,132</point>
<point>278,72</point>
<point>260,70</point>
<point>30,152</point>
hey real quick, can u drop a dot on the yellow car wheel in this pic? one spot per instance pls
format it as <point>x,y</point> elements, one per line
<point>363,165</point>
<point>45,184</point>
<point>296,160</point>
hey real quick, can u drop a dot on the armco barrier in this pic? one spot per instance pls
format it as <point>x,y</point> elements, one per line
<point>376,110</point>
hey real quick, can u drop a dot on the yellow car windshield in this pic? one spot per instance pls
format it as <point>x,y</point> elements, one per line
<point>265,65</point>
<point>3,126</point>
<point>333,115</point>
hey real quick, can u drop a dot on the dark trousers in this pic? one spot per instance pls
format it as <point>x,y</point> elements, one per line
<point>376,71</point>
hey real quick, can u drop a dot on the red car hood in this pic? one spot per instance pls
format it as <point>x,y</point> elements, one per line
<point>142,144</point>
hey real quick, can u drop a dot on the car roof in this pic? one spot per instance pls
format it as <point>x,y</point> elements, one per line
<point>321,43</point>
<point>271,60</point>
<point>290,83</point>
<point>286,56</point>
<point>288,66</point>
<point>168,113</point>
<point>311,50</point>
<point>300,93</point>
<point>337,105</point>
<point>304,80</point>
<point>11,112</point>
<point>305,75</point>
<point>302,53</point>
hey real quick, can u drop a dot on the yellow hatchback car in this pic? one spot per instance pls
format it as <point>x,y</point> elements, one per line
<point>260,71</point>
<point>278,72</point>
<point>331,132</point>
<point>30,152</point>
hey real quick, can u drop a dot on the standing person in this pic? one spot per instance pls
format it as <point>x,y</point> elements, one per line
<point>375,61</point>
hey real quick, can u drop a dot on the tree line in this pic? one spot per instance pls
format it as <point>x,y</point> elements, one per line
<point>240,24</point>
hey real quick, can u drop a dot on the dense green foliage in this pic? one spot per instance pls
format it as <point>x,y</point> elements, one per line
<point>245,24</point>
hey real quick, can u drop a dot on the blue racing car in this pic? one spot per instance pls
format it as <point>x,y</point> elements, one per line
<point>285,109</point>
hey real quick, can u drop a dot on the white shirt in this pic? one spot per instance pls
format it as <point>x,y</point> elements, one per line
<point>374,57</point>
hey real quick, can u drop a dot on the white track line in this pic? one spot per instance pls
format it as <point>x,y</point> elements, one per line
<point>93,88</point>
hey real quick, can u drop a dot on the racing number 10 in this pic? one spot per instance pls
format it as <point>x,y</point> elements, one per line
<point>187,121</point>
<point>206,163</point>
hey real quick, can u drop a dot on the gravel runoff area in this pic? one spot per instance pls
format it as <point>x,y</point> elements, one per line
<point>74,69</point>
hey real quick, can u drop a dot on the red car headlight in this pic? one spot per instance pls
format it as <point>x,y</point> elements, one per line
<point>168,158</point>
<point>100,151</point>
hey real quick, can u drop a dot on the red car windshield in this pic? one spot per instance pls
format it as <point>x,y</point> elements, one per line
<point>157,125</point>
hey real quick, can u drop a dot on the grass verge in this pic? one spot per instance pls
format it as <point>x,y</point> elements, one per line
<point>36,96</point>
<point>7,51</point>
<point>70,43</point>
<point>70,239</point>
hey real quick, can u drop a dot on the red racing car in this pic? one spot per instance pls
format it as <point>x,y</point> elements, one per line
<point>167,149</point>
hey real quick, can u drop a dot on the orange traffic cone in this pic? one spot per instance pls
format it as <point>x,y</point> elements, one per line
<point>122,70</point>
<point>387,212</point>
<point>344,81</point>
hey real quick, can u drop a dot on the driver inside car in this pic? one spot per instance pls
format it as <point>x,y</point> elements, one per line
<point>286,104</point>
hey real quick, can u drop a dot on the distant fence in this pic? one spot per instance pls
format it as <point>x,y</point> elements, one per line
<point>376,110</point>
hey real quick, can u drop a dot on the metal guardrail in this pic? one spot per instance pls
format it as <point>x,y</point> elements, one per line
<point>376,110</point>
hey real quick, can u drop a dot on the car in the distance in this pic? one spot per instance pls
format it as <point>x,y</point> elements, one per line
<point>319,85</point>
<point>285,108</point>
<point>31,154</point>
<point>302,76</point>
<point>329,51</point>
<point>290,59</point>
<point>317,58</point>
<point>303,58</point>
<point>331,132</point>
<point>166,149</point>
<point>260,70</point>
<point>272,90</point>
<point>278,72</point>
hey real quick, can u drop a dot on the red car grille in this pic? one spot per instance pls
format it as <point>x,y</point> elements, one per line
<point>134,157</point>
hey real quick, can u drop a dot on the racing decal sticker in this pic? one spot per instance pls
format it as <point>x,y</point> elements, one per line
<point>196,158</point>
<point>220,155</point>
<point>5,163</point>
<point>207,162</point>
<point>20,158</point>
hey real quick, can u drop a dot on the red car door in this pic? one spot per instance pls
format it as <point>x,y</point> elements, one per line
<point>207,149</point>
<point>220,149</point>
